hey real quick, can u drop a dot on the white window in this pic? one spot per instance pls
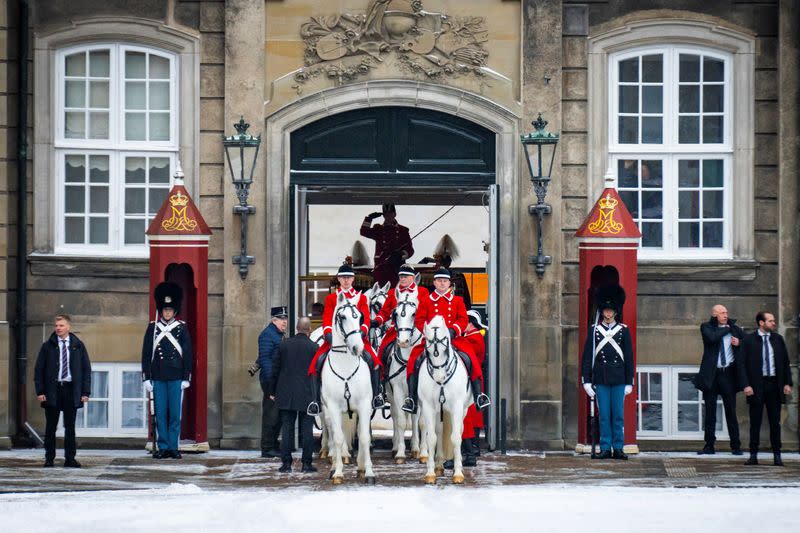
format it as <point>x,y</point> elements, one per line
<point>669,406</point>
<point>670,146</point>
<point>116,140</point>
<point>118,404</point>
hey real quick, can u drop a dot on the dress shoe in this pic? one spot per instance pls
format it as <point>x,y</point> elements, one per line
<point>707,450</point>
<point>308,468</point>
<point>753,459</point>
<point>48,463</point>
<point>619,454</point>
<point>605,454</point>
<point>71,463</point>
<point>175,454</point>
<point>777,461</point>
<point>285,467</point>
<point>737,451</point>
<point>469,460</point>
<point>270,454</point>
<point>160,454</point>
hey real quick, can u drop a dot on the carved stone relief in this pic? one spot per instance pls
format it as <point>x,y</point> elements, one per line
<point>346,46</point>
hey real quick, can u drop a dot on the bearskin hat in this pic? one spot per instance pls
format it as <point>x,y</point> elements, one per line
<point>168,294</point>
<point>610,296</point>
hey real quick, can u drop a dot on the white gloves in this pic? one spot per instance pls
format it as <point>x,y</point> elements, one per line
<point>148,385</point>
<point>185,385</point>
<point>628,389</point>
<point>589,390</point>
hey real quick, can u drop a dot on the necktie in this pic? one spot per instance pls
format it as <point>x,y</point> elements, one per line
<point>722,360</point>
<point>64,360</point>
<point>767,366</point>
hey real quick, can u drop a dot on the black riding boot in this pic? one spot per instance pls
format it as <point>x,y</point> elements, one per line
<point>410,403</point>
<point>377,394</point>
<point>481,400</point>
<point>313,408</point>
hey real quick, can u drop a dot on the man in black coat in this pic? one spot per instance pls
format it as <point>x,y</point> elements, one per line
<point>718,376</point>
<point>290,388</point>
<point>766,377</point>
<point>63,381</point>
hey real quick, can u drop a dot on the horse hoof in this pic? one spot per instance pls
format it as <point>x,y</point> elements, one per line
<point>338,480</point>
<point>422,459</point>
<point>430,479</point>
<point>369,480</point>
<point>399,460</point>
<point>415,454</point>
<point>346,460</point>
<point>439,470</point>
<point>458,479</point>
<point>323,454</point>
<point>360,474</point>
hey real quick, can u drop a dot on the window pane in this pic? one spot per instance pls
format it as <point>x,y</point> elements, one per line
<point>75,64</point>
<point>651,130</point>
<point>712,173</point>
<point>631,201</point>
<point>73,230</point>
<point>98,200</point>
<point>100,384</point>
<point>98,230</point>
<point>628,173</point>
<point>689,67</point>
<point>159,126</point>
<point>629,99</point>
<point>688,417</point>
<point>159,95</point>
<point>689,130</point>
<point>688,204</point>
<point>712,235</point>
<point>74,200</point>
<point>74,168</point>
<point>688,173</point>
<point>98,168</point>
<point>135,126</point>
<point>712,129</point>
<point>157,197</point>
<point>644,392</point>
<point>652,101</point>
<point>134,170</point>
<point>713,69</point>
<point>689,234</point>
<point>134,201</point>
<point>97,414</point>
<point>651,235</point>
<point>629,130</point>
<point>75,93</point>
<point>159,170</point>
<point>652,68</point>
<point>687,392</point>
<point>134,231</point>
<point>133,414</point>
<point>689,99</point>
<point>98,125</point>
<point>134,65</point>
<point>99,64</point>
<point>651,204</point>
<point>75,125</point>
<point>629,70</point>
<point>712,98</point>
<point>135,96</point>
<point>652,175</point>
<point>712,204</point>
<point>159,67</point>
<point>652,417</point>
<point>98,94</point>
<point>132,385</point>
<point>655,386</point>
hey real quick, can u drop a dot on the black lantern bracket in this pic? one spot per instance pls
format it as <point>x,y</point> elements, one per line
<point>245,144</point>
<point>544,141</point>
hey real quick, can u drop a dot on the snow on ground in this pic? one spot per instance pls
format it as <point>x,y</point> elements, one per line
<point>185,507</point>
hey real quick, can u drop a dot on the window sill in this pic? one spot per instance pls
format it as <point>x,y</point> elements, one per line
<point>698,270</point>
<point>87,266</point>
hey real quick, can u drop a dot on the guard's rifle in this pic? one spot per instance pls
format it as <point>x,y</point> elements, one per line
<point>593,427</point>
<point>152,421</point>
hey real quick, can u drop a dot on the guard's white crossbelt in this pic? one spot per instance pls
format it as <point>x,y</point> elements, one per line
<point>608,338</point>
<point>165,332</point>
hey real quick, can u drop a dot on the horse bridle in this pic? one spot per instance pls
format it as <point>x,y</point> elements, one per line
<point>402,305</point>
<point>450,368</point>
<point>374,306</point>
<point>340,324</point>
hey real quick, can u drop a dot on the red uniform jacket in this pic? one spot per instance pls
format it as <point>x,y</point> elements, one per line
<point>473,344</point>
<point>385,314</point>
<point>388,239</point>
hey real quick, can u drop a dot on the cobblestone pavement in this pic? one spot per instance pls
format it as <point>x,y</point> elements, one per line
<point>21,471</point>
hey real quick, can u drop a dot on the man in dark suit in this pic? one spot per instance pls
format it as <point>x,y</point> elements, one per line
<point>718,376</point>
<point>767,379</point>
<point>290,389</point>
<point>63,381</point>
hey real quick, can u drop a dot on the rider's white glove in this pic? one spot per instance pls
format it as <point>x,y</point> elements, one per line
<point>148,385</point>
<point>589,390</point>
<point>628,389</point>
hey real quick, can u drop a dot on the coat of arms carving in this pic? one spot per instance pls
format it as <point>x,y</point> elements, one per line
<point>346,46</point>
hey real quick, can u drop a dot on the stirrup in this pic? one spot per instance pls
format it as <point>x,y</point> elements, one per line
<point>409,406</point>
<point>312,409</point>
<point>377,402</point>
<point>483,402</point>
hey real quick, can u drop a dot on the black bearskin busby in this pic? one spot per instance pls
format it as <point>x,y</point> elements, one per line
<point>610,296</point>
<point>168,294</point>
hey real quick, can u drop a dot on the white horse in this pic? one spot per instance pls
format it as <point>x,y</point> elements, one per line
<point>346,388</point>
<point>408,336</point>
<point>444,396</point>
<point>376,296</point>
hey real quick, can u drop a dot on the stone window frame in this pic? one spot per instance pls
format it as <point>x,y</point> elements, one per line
<point>183,44</point>
<point>695,31</point>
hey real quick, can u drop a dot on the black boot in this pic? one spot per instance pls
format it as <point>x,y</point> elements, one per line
<point>777,461</point>
<point>313,408</point>
<point>481,400</point>
<point>285,467</point>
<point>619,454</point>
<point>476,443</point>
<point>468,451</point>
<point>753,459</point>
<point>375,379</point>
<point>410,403</point>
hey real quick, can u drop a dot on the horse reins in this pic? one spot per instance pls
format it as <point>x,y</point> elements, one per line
<point>342,348</point>
<point>450,365</point>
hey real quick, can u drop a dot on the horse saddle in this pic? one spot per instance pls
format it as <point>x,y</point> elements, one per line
<point>465,358</point>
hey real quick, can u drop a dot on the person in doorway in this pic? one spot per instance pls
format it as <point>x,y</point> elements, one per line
<point>290,389</point>
<point>268,342</point>
<point>63,381</point>
<point>718,375</point>
<point>167,367</point>
<point>607,370</point>
<point>392,244</point>
<point>766,377</point>
<point>345,277</point>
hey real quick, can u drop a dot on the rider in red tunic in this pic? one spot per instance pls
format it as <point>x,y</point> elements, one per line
<point>392,244</point>
<point>405,284</point>
<point>346,276</point>
<point>472,342</point>
<point>451,308</point>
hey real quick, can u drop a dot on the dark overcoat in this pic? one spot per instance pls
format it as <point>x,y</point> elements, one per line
<point>750,370</point>
<point>45,374</point>
<point>290,382</point>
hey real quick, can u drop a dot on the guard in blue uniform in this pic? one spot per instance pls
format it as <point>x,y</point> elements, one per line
<point>607,370</point>
<point>167,367</point>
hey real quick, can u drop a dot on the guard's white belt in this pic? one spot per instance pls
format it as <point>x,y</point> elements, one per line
<point>608,338</point>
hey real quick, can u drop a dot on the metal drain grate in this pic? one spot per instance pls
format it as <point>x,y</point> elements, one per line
<point>675,469</point>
